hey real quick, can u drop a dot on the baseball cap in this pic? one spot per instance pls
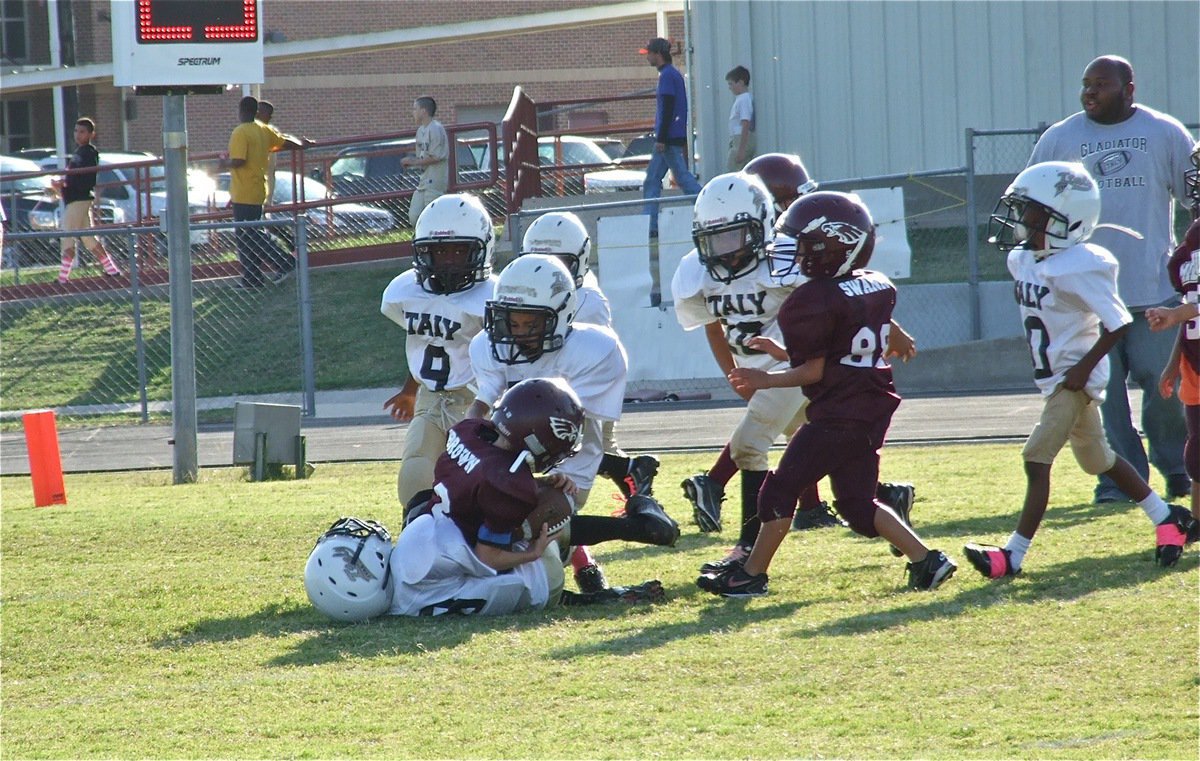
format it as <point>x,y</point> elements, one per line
<point>657,45</point>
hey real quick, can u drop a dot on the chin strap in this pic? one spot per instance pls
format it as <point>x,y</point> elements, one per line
<point>1121,229</point>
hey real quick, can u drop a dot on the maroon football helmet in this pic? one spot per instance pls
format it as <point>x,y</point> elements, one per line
<point>544,417</point>
<point>784,175</point>
<point>833,234</point>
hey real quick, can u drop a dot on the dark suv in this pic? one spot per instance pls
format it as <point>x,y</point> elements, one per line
<point>369,168</point>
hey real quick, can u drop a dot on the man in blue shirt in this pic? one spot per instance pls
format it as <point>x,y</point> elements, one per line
<point>670,130</point>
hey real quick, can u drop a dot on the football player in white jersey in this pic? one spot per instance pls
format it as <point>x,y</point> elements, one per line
<point>439,303</point>
<point>563,234</point>
<point>1066,289</point>
<point>530,332</point>
<point>725,285</point>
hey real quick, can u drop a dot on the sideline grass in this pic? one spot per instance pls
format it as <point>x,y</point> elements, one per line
<point>146,620</point>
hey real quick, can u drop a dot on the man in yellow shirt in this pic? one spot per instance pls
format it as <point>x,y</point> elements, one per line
<point>250,146</point>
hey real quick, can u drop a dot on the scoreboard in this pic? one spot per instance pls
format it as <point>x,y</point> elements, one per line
<point>182,44</point>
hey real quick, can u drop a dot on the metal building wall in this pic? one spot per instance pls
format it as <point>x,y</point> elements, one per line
<point>870,87</point>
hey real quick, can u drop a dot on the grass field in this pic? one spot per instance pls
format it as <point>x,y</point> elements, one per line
<point>149,620</point>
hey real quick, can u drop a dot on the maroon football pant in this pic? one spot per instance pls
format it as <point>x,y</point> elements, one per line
<point>845,450</point>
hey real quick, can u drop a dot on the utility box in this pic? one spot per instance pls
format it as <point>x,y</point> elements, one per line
<point>267,434</point>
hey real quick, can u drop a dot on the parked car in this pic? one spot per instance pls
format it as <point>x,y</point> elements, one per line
<point>343,218</point>
<point>565,152</point>
<point>31,204</point>
<point>141,192</point>
<point>369,168</point>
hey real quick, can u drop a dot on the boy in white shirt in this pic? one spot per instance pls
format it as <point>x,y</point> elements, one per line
<point>1066,288</point>
<point>741,119</point>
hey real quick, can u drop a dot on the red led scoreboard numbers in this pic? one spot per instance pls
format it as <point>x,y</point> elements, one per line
<point>186,43</point>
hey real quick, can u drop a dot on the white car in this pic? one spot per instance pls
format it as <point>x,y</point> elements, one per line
<point>140,193</point>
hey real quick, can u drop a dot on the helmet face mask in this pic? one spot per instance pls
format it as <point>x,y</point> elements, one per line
<point>449,265</point>
<point>1049,207</point>
<point>730,220</point>
<point>731,251</point>
<point>542,416</point>
<point>521,334</point>
<point>532,309</point>
<point>1029,224</point>
<point>453,243</point>
<point>348,576</point>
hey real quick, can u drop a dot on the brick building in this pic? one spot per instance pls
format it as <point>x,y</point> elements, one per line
<point>347,94</point>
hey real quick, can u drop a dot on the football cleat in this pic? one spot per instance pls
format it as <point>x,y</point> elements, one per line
<point>817,517</point>
<point>649,591</point>
<point>930,572</point>
<point>734,583</point>
<point>706,496</point>
<point>735,559</point>
<point>991,561</point>
<point>590,578</point>
<point>899,497</point>
<point>640,479</point>
<point>660,528</point>
<point>1179,529</point>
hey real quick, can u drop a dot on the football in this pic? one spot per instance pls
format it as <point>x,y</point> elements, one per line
<point>553,508</point>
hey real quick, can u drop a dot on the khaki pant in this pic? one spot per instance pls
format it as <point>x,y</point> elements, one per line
<point>434,413</point>
<point>770,412</point>
<point>733,165</point>
<point>77,216</point>
<point>1070,416</point>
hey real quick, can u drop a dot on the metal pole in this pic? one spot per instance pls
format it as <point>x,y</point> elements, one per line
<point>308,370</point>
<point>179,258</point>
<point>139,342</point>
<point>60,127</point>
<point>972,240</point>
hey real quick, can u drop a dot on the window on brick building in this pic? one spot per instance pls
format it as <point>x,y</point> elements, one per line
<point>14,31</point>
<point>16,126</point>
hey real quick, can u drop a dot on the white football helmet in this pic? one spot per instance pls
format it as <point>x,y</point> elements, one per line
<point>733,215</point>
<point>532,309</point>
<point>347,576</point>
<point>453,244</point>
<point>561,234</point>
<point>1058,198</point>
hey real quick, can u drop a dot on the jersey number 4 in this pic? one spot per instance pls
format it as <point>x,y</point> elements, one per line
<point>867,347</point>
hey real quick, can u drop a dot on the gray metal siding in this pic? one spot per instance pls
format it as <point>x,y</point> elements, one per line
<point>863,88</point>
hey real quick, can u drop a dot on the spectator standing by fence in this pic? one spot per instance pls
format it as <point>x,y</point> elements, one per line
<point>741,119</point>
<point>77,197</point>
<point>670,131</point>
<point>433,149</point>
<point>1138,157</point>
<point>249,147</point>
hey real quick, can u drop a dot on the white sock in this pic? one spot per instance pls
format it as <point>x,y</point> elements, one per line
<point>1155,508</point>
<point>1017,547</point>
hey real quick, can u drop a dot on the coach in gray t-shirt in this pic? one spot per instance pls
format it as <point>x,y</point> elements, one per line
<point>1138,156</point>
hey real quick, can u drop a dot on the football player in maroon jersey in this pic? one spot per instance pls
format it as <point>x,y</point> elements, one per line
<point>835,329</point>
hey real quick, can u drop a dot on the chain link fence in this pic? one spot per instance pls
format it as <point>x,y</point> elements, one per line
<point>97,348</point>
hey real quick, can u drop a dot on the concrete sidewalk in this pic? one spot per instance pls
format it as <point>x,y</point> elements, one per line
<point>997,366</point>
